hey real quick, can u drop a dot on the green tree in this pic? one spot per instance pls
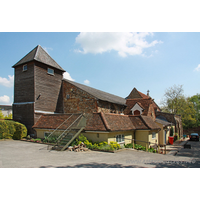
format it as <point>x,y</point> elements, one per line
<point>1,115</point>
<point>171,102</point>
<point>9,116</point>
<point>187,112</point>
<point>196,102</point>
<point>175,102</point>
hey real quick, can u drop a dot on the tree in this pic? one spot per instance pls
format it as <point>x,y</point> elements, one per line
<point>171,102</point>
<point>175,102</point>
<point>9,116</point>
<point>196,102</point>
<point>187,113</point>
<point>1,115</point>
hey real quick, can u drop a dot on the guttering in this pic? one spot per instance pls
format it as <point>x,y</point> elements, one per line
<point>97,132</point>
<point>23,103</point>
<point>45,112</point>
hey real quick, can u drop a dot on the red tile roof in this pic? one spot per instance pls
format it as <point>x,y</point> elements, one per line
<point>117,122</point>
<point>98,122</point>
<point>52,121</point>
<point>144,103</point>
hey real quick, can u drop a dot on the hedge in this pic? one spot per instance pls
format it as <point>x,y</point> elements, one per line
<point>12,130</point>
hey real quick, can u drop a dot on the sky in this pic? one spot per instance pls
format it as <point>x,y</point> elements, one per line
<point>114,62</point>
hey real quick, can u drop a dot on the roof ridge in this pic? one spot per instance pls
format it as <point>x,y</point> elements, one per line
<point>145,121</point>
<point>49,55</point>
<point>90,93</point>
<point>104,121</point>
<point>115,114</point>
<point>36,52</point>
<point>24,56</point>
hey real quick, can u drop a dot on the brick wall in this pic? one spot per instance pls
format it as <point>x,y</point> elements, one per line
<point>76,100</point>
<point>107,107</point>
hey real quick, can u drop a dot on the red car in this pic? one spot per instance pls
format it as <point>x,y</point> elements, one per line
<point>194,136</point>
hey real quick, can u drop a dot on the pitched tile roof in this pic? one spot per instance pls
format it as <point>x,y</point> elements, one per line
<point>40,55</point>
<point>52,121</point>
<point>162,120</point>
<point>136,94</point>
<point>144,103</point>
<point>137,97</point>
<point>142,122</point>
<point>116,122</point>
<point>104,96</point>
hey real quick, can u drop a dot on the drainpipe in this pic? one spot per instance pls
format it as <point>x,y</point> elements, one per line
<point>133,141</point>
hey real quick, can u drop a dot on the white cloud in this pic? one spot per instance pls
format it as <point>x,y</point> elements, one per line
<point>5,99</point>
<point>124,43</point>
<point>47,48</point>
<point>67,76</point>
<point>7,82</point>
<point>197,68</point>
<point>86,82</point>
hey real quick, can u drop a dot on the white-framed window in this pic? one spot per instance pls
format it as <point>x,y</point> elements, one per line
<point>25,68</point>
<point>120,138</point>
<point>50,71</point>
<point>153,135</point>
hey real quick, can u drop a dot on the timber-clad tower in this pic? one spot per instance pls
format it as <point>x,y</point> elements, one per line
<point>38,80</point>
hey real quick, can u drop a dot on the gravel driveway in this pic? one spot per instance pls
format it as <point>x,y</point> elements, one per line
<point>20,154</point>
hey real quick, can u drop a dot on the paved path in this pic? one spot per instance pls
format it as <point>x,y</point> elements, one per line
<point>20,154</point>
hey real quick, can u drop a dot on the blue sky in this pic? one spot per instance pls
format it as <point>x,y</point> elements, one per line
<point>110,61</point>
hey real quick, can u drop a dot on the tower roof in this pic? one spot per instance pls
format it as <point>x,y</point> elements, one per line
<point>135,94</point>
<point>40,55</point>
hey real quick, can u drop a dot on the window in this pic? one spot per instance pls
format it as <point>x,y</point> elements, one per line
<point>98,135</point>
<point>153,135</point>
<point>50,71</point>
<point>120,138</point>
<point>24,68</point>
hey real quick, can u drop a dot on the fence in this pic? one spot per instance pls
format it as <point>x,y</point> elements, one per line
<point>157,146</point>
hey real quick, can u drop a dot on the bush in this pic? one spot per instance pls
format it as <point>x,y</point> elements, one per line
<point>130,145</point>
<point>51,139</point>
<point>152,150</point>
<point>114,145</point>
<point>139,147</point>
<point>20,131</point>
<point>36,140</point>
<point>12,130</point>
<point>82,138</point>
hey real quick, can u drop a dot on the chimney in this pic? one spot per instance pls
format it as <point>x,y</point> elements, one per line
<point>148,92</point>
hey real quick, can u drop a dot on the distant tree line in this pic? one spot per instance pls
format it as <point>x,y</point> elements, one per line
<point>176,102</point>
<point>6,117</point>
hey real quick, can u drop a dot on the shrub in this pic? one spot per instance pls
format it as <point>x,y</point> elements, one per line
<point>36,140</point>
<point>7,129</point>
<point>139,147</point>
<point>130,145</point>
<point>82,138</point>
<point>114,145</point>
<point>51,139</point>
<point>152,150</point>
<point>10,129</point>
<point>20,131</point>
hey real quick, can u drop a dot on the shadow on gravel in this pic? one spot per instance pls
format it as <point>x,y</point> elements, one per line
<point>94,165</point>
<point>177,164</point>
